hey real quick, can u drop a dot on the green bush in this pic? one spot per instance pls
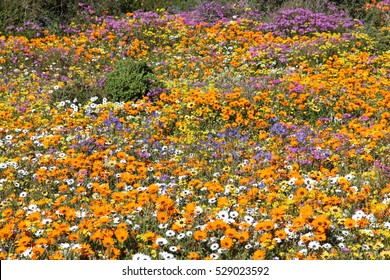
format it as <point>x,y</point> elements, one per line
<point>129,81</point>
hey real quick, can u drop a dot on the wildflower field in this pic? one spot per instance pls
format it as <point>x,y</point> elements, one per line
<point>262,136</point>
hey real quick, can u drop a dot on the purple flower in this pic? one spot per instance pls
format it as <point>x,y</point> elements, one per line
<point>346,250</point>
<point>113,121</point>
<point>303,22</point>
<point>279,129</point>
<point>346,116</point>
<point>301,136</point>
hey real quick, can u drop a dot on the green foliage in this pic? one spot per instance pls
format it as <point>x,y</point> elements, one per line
<point>381,38</point>
<point>152,5</point>
<point>130,81</point>
<point>78,90</point>
<point>375,18</point>
<point>42,12</point>
<point>312,5</point>
<point>51,13</point>
<point>267,6</point>
<point>353,7</point>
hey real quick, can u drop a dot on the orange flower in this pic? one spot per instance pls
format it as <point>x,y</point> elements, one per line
<point>149,236</point>
<point>121,155</point>
<point>243,236</point>
<point>231,232</point>
<point>162,217</point>
<point>20,249</point>
<point>306,211</point>
<point>7,212</point>
<point>226,242</point>
<point>298,223</point>
<point>121,235</point>
<point>281,233</point>
<point>24,241</point>
<point>265,238</point>
<point>108,242</point>
<point>321,221</point>
<point>223,202</point>
<point>164,202</point>
<point>301,192</point>
<point>121,226</point>
<point>368,158</point>
<point>100,211</point>
<point>349,223</point>
<point>197,184</point>
<point>73,237</point>
<point>299,181</point>
<point>278,213</point>
<point>321,237</point>
<point>362,222</point>
<point>6,232</point>
<point>200,235</point>
<point>193,256</point>
<point>56,256</point>
<point>22,225</point>
<point>305,238</point>
<point>41,241</point>
<point>268,225</point>
<point>258,255</point>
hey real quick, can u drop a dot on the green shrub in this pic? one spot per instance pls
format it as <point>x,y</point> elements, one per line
<point>129,81</point>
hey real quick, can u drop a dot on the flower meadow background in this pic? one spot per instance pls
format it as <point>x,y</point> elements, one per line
<point>266,137</point>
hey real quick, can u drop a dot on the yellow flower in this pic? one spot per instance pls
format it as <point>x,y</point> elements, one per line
<point>181,223</point>
<point>385,254</point>
<point>378,245</point>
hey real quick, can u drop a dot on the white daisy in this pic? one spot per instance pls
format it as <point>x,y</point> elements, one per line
<point>173,248</point>
<point>248,219</point>
<point>214,256</point>
<point>181,236</point>
<point>161,241</point>
<point>23,194</point>
<point>223,215</point>
<point>167,256</point>
<point>233,214</point>
<point>314,245</point>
